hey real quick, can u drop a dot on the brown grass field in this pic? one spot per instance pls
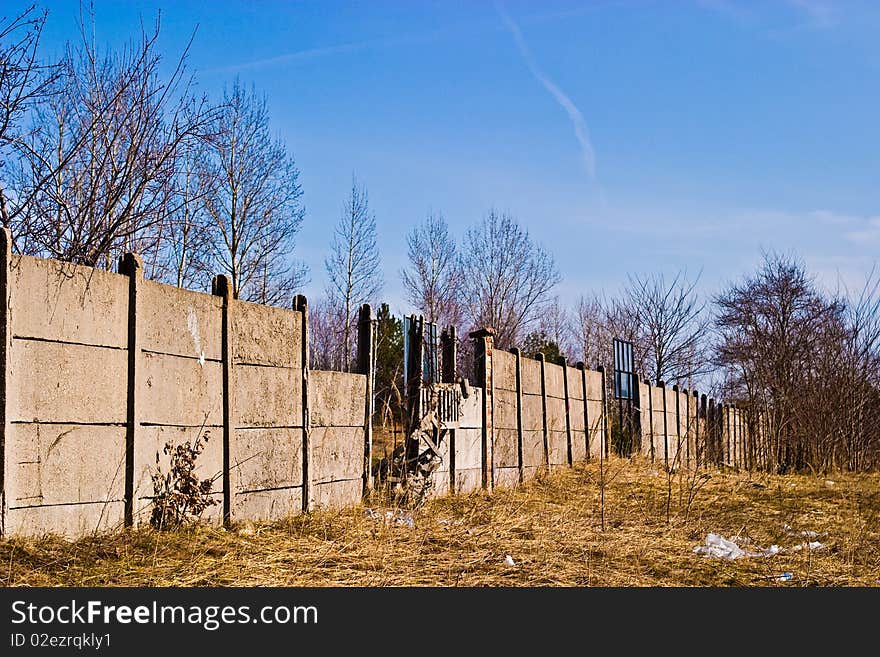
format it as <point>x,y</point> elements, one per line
<point>551,528</point>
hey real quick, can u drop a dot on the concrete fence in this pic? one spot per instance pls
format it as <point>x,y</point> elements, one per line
<point>99,370</point>
<point>680,429</point>
<point>525,415</point>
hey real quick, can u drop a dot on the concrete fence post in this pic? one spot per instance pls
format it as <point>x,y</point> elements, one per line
<point>5,373</point>
<point>301,304</point>
<point>583,369</point>
<point>131,265</point>
<point>367,365</point>
<point>220,286</point>
<point>519,421</point>
<point>567,412</point>
<point>484,344</point>
<point>540,358</point>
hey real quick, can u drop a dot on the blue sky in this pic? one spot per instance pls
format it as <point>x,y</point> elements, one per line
<point>626,136</point>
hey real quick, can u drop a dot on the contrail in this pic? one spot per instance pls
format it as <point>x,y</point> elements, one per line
<point>574,114</point>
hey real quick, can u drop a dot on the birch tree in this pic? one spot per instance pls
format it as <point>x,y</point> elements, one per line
<point>353,266</point>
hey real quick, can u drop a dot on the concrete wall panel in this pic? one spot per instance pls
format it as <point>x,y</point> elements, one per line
<point>531,376</point>
<point>505,409</point>
<point>265,335</point>
<point>338,494</point>
<point>504,370</point>
<point>555,384</point>
<point>180,322</point>
<point>57,382</point>
<point>265,458</point>
<point>62,463</point>
<point>52,300</point>
<point>337,398</point>
<point>505,448</point>
<point>269,396</point>
<point>65,520</point>
<point>179,391</point>
<point>268,504</point>
<point>337,453</point>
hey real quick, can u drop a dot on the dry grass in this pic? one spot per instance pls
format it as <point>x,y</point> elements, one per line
<point>550,527</point>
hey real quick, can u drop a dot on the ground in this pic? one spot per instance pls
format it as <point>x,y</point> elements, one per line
<point>548,532</point>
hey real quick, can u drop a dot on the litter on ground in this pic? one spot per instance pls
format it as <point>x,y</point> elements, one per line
<point>397,517</point>
<point>719,547</point>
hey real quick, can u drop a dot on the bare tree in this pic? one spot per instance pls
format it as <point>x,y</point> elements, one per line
<point>556,324</point>
<point>354,276</point>
<point>185,236</point>
<point>325,324</point>
<point>24,81</point>
<point>432,281</point>
<point>672,326</point>
<point>506,277</point>
<point>775,331</point>
<point>93,181</point>
<point>597,321</point>
<point>253,198</point>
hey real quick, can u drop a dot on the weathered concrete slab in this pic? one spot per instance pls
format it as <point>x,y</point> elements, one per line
<point>268,396</point>
<point>149,455</point>
<point>265,458</point>
<point>531,376</point>
<point>337,399</point>
<point>267,504</point>
<point>467,480</point>
<point>531,472</point>
<point>471,411</point>
<point>57,382</point>
<point>337,453</point>
<point>180,322</point>
<point>558,448</point>
<point>505,448</point>
<point>504,415</point>
<point>533,448</point>
<point>180,391</point>
<point>576,414</point>
<point>532,413</point>
<point>555,414</point>
<point>575,383</point>
<point>555,385</point>
<point>504,370</point>
<point>468,446</point>
<point>52,300</point>
<point>578,446</point>
<point>594,385</point>
<point>338,494</point>
<point>266,335</point>
<point>65,520</point>
<point>59,464</point>
<point>506,477</point>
